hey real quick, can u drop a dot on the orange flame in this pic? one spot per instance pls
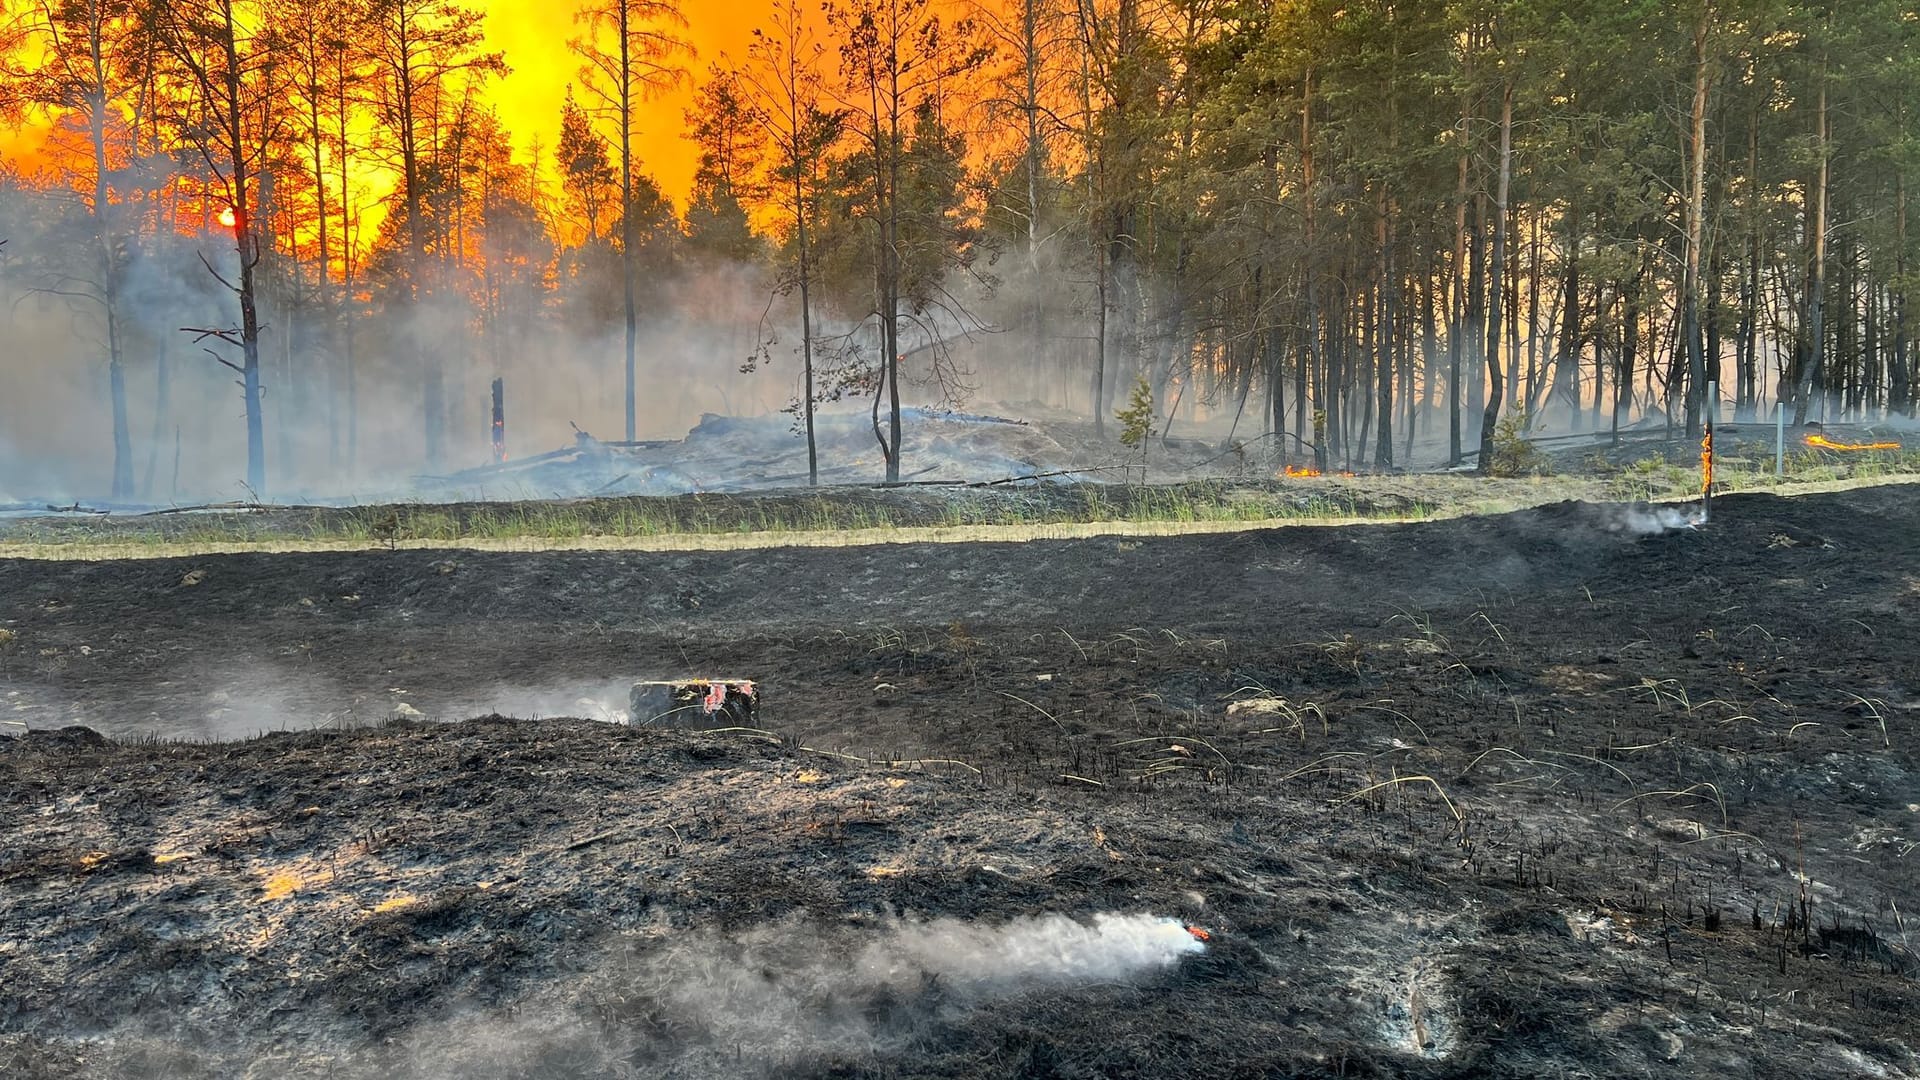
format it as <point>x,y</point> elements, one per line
<point>1706,464</point>
<point>1199,934</point>
<point>1301,470</point>
<point>1821,442</point>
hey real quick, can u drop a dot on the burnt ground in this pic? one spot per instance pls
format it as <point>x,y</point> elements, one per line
<point>1518,796</point>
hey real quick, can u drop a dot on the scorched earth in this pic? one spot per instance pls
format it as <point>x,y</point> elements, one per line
<point>1532,795</point>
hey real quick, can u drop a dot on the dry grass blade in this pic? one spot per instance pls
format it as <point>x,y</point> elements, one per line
<point>1035,708</point>
<point>1422,778</point>
<point>1690,792</point>
<point>1873,707</point>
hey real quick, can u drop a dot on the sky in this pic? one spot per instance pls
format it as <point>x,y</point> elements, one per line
<point>534,33</point>
<point>533,36</point>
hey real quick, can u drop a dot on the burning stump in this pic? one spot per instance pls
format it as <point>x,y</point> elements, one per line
<point>693,703</point>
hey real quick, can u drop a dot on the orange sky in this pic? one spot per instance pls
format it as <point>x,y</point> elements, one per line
<point>534,33</point>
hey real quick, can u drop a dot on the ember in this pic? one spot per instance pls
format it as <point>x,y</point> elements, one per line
<point>1821,442</point>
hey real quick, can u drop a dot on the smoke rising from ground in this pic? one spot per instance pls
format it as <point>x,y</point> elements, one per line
<point>1646,520</point>
<point>797,991</point>
<point>761,1002</point>
<point>746,973</point>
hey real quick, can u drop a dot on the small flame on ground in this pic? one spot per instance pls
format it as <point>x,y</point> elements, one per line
<point>1199,935</point>
<point>1821,442</point>
<point>1300,470</point>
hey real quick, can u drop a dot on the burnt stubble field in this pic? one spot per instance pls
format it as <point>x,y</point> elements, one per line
<point>1529,795</point>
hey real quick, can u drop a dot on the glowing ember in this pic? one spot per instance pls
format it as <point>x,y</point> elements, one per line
<point>1301,470</point>
<point>227,218</point>
<point>1821,442</point>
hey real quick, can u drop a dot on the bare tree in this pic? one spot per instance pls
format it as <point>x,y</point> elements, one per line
<point>898,62</point>
<point>632,52</point>
<point>229,121</point>
<point>783,76</point>
<point>86,74</point>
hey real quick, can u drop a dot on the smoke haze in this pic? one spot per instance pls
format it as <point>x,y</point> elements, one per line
<point>728,1004</point>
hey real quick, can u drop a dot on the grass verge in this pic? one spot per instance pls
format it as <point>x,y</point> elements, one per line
<point>860,516</point>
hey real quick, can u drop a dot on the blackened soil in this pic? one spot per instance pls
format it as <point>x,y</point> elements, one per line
<point>1517,796</point>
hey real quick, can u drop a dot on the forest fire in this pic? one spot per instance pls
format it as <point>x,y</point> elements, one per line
<point>227,217</point>
<point>1300,471</point>
<point>1821,442</point>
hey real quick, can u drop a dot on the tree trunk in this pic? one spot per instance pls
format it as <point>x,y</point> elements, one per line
<point>1310,269</point>
<point>1566,369</point>
<point>1457,312</point>
<point>891,261</point>
<point>1496,387</point>
<point>1747,336</point>
<point>1696,372</point>
<point>1100,342</point>
<point>1811,344</point>
<point>1629,349</point>
<point>1383,337</point>
<point>248,247</point>
<point>630,314</point>
<point>1900,398</point>
<point>97,106</point>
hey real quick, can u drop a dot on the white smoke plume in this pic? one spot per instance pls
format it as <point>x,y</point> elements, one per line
<point>770,979</point>
<point>1039,949</point>
<point>757,1002</point>
<point>1645,520</point>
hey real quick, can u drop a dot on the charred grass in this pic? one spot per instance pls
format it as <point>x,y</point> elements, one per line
<point>1534,803</point>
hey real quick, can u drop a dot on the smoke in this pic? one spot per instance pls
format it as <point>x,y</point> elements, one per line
<point>334,429</point>
<point>774,995</point>
<point>797,995</point>
<point>1043,949</point>
<point>604,701</point>
<point>1642,519</point>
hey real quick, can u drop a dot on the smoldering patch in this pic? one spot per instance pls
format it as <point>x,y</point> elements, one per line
<point>1647,519</point>
<point>796,986</point>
